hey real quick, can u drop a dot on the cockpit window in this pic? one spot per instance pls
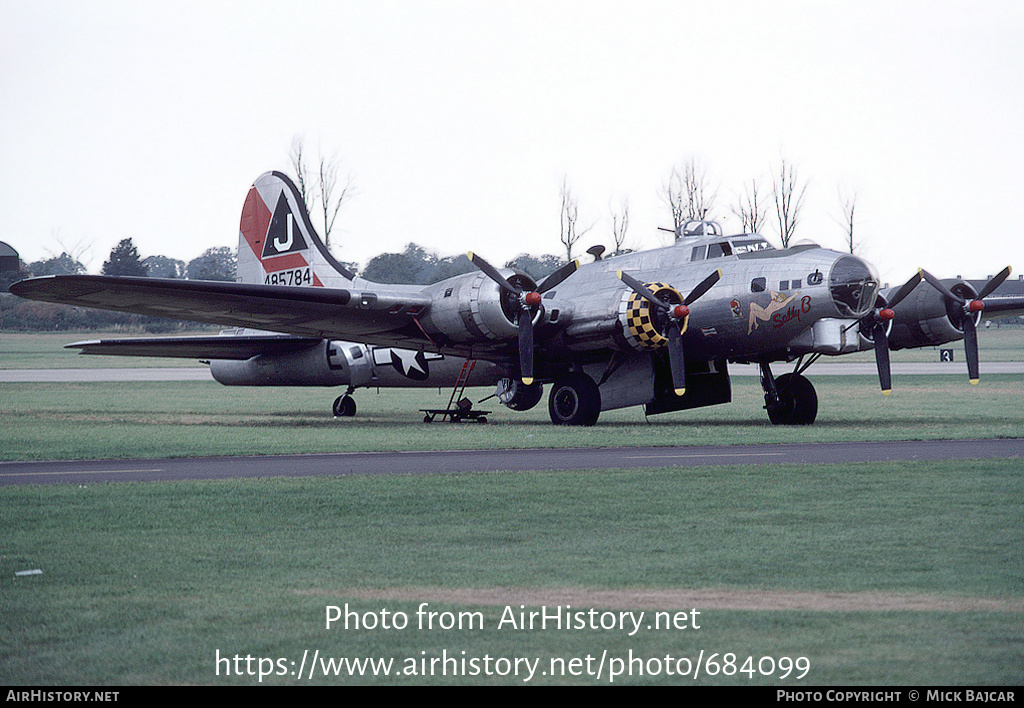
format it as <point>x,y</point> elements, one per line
<point>712,250</point>
<point>717,250</point>
<point>853,286</point>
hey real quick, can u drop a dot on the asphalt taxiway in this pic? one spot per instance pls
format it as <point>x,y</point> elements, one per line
<point>463,461</point>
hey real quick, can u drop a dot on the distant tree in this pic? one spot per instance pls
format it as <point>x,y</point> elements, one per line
<point>164,267</point>
<point>537,267</point>
<point>788,193</point>
<point>415,265</point>
<point>124,260</point>
<point>215,264</point>
<point>395,267</point>
<point>620,224</point>
<point>751,209</point>
<point>570,231</point>
<point>321,189</point>
<point>60,265</point>
<point>689,194</point>
<point>849,207</point>
<point>448,267</point>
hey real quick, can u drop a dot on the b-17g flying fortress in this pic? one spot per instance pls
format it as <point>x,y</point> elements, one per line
<point>656,328</point>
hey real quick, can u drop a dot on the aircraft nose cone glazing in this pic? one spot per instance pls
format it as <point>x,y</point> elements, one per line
<point>853,286</point>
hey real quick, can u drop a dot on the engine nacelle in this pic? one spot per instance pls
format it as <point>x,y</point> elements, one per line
<point>925,318</point>
<point>472,307</point>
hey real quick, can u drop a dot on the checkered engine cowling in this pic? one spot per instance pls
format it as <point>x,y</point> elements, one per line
<point>643,323</point>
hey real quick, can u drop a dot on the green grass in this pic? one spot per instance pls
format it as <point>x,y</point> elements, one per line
<point>165,419</point>
<point>144,583</point>
<point>46,351</point>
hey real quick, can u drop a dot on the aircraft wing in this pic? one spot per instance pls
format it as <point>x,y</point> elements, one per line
<point>236,347</point>
<point>382,316</point>
<point>1000,307</point>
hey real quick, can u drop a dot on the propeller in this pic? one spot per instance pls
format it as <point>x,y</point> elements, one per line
<point>528,303</point>
<point>677,317</point>
<point>878,321</point>
<point>970,310</point>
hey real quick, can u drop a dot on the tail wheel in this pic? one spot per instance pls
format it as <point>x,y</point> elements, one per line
<point>574,400</point>
<point>344,407</point>
<point>798,402</point>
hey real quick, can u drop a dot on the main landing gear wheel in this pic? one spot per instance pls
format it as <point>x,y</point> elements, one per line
<point>574,400</point>
<point>797,404</point>
<point>344,407</point>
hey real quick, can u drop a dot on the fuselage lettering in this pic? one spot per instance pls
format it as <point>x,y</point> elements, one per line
<point>297,276</point>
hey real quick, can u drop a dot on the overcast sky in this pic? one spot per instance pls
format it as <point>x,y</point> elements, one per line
<point>459,121</point>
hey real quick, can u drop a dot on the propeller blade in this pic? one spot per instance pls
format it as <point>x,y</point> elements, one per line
<point>940,286</point>
<point>882,358</point>
<point>971,348</point>
<point>641,290</point>
<point>994,283</point>
<point>558,276</point>
<point>906,289</point>
<point>526,345</point>
<point>702,287</point>
<point>676,360</point>
<point>492,273</point>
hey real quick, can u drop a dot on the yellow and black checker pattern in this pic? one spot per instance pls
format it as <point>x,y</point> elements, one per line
<point>639,322</point>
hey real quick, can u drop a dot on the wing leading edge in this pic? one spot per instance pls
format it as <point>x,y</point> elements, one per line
<point>385,316</point>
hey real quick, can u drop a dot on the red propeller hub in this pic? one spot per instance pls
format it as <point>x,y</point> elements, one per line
<point>680,311</point>
<point>976,306</point>
<point>533,298</point>
<point>887,313</point>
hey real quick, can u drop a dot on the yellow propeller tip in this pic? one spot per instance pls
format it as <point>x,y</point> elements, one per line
<point>618,274</point>
<point>975,382</point>
<point>470,255</point>
<point>527,382</point>
<point>680,391</point>
<point>887,392</point>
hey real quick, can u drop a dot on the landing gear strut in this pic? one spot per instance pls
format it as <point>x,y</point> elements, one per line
<point>789,399</point>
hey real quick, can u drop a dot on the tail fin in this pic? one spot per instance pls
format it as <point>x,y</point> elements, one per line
<point>277,244</point>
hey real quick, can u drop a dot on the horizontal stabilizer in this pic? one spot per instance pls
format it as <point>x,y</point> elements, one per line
<point>236,347</point>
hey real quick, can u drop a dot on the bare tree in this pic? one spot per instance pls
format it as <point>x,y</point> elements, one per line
<point>689,194</point>
<point>674,193</point>
<point>751,209</point>
<point>79,253</point>
<point>332,194</point>
<point>303,179</point>
<point>789,199</point>
<point>848,203</point>
<point>620,224</point>
<point>570,230</point>
<point>322,189</point>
